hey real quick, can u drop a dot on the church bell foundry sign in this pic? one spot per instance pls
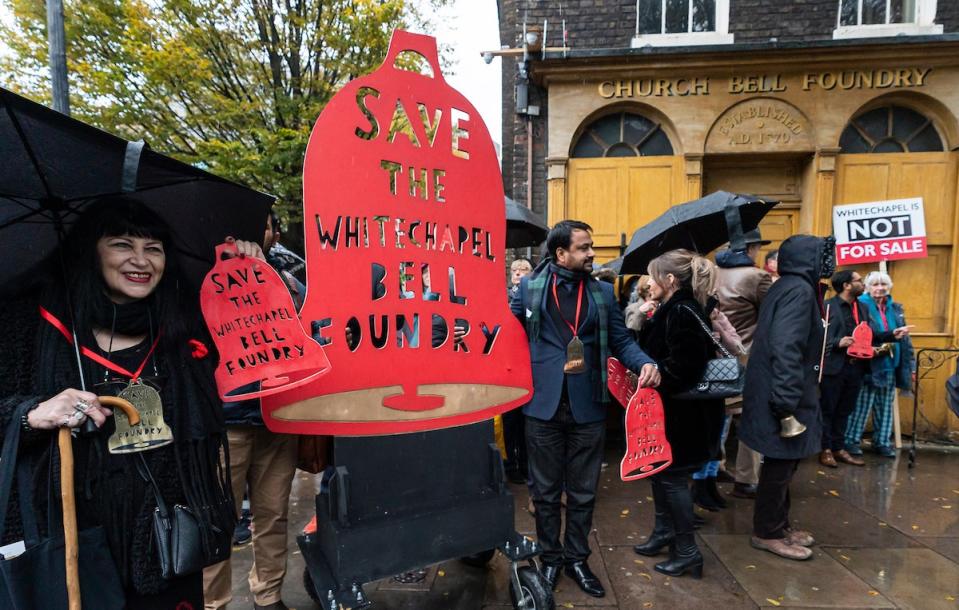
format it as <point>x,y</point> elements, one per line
<point>405,238</point>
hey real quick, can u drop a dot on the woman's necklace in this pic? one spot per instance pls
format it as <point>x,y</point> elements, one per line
<point>152,431</point>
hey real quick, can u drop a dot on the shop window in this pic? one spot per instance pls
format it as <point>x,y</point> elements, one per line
<point>622,135</point>
<point>890,129</point>
<point>871,18</point>
<point>681,22</point>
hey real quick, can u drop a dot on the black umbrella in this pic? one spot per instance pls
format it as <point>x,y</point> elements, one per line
<point>523,227</point>
<point>699,225</point>
<point>53,166</point>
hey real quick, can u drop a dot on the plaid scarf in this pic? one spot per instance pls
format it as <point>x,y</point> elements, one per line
<point>536,286</point>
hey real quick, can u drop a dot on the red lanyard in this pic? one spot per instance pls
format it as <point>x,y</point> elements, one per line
<point>882,314</point>
<point>92,355</point>
<point>855,311</point>
<point>574,327</point>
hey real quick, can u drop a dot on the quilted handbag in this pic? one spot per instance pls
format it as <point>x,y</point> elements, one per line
<point>723,378</point>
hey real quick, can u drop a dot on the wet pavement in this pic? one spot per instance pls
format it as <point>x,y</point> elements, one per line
<point>887,537</point>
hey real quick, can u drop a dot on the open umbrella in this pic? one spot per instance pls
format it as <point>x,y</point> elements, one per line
<point>701,225</point>
<point>523,227</point>
<point>52,167</point>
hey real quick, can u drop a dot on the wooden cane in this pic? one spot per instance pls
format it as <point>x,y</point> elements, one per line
<point>69,501</point>
<point>825,333</point>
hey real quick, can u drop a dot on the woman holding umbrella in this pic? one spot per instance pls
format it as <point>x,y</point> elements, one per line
<point>677,338</point>
<point>139,335</point>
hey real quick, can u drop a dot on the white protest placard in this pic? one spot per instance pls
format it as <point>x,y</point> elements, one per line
<point>879,231</point>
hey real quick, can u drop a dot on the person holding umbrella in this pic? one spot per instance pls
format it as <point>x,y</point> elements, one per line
<point>678,337</point>
<point>121,294</point>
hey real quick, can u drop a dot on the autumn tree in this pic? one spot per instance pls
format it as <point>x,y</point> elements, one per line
<point>231,85</point>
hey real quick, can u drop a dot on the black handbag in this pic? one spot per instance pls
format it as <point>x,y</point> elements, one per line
<point>36,579</point>
<point>723,378</point>
<point>177,535</point>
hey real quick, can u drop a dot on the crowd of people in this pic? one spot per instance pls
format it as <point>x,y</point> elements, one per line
<point>678,318</point>
<point>121,299</point>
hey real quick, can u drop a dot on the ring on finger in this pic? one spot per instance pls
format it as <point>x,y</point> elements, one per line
<point>82,406</point>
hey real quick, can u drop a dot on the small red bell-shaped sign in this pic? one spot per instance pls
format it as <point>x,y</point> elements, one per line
<point>261,343</point>
<point>405,237</point>
<point>647,449</point>
<point>861,342</point>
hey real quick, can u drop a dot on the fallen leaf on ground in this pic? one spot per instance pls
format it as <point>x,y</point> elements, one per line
<point>947,505</point>
<point>629,573</point>
<point>441,573</point>
<point>874,593</point>
<point>820,472</point>
<point>750,567</point>
<point>639,561</point>
<point>815,588</point>
<point>645,575</point>
<point>568,605</point>
<point>833,492</point>
<point>845,558</point>
<point>950,598</point>
<point>647,604</point>
<point>625,511</point>
<point>772,601</point>
<point>883,524</point>
<point>915,527</point>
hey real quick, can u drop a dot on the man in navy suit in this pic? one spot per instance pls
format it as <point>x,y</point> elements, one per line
<point>573,324</point>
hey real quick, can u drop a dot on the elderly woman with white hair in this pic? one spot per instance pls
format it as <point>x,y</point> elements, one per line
<point>891,368</point>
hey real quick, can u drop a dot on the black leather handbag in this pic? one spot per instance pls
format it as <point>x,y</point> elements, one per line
<point>723,378</point>
<point>177,535</point>
<point>36,579</point>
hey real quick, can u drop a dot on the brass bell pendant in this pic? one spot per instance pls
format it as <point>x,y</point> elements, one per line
<point>790,427</point>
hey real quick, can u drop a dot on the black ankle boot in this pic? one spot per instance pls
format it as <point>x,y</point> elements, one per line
<point>661,537</point>
<point>702,497</point>
<point>714,494</point>
<point>684,557</point>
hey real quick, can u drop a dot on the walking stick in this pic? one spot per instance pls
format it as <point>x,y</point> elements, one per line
<point>825,333</point>
<point>69,501</point>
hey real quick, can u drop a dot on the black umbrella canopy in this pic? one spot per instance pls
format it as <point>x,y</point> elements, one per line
<point>523,227</point>
<point>698,225</point>
<point>53,166</point>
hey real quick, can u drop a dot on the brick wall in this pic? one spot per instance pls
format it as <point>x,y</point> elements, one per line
<point>609,24</point>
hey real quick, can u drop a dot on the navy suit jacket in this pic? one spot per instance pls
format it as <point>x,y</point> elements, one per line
<point>548,355</point>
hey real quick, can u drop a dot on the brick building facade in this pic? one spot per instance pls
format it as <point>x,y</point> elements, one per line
<point>814,103</point>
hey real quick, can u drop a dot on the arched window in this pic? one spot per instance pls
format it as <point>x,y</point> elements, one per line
<point>622,135</point>
<point>890,129</point>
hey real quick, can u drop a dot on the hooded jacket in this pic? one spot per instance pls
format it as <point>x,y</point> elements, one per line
<point>783,370</point>
<point>741,288</point>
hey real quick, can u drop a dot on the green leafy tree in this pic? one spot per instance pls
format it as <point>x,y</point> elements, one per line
<point>231,85</point>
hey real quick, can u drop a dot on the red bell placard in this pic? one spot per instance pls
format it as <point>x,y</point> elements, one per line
<point>405,234</point>
<point>250,313</point>
<point>647,449</point>
<point>861,342</point>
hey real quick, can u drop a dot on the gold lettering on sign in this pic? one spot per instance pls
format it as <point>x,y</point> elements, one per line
<point>883,78</point>
<point>763,83</point>
<point>653,87</point>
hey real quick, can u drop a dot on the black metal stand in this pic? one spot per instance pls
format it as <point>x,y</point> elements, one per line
<point>398,503</point>
<point>928,360</point>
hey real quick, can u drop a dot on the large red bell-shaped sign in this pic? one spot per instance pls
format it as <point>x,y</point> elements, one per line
<point>405,235</point>
<point>262,346</point>
<point>647,449</point>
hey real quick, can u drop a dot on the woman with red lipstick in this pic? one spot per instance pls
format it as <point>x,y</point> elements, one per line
<point>120,294</point>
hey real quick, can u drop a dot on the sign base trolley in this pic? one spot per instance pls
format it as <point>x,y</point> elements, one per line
<point>402,502</point>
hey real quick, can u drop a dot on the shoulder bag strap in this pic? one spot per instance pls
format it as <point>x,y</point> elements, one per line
<point>708,332</point>
<point>147,476</point>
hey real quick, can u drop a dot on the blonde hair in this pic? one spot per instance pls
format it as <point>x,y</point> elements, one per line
<point>690,270</point>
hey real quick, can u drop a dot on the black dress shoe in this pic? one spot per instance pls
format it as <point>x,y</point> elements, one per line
<point>701,496</point>
<point>551,574</point>
<point>742,490</point>
<point>656,543</point>
<point>585,578</point>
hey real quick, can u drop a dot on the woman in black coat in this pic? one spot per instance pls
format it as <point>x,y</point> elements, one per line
<point>121,294</point>
<point>680,281</point>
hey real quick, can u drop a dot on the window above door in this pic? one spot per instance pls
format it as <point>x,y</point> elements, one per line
<point>876,18</point>
<point>681,23</point>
